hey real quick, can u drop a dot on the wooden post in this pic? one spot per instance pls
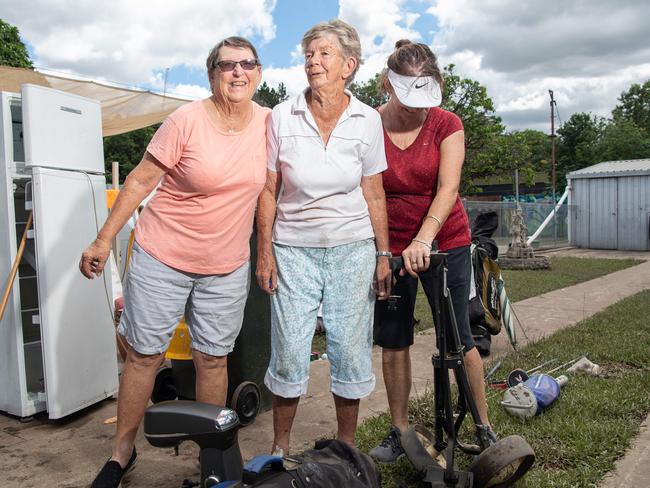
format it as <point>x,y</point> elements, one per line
<point>14,268</point>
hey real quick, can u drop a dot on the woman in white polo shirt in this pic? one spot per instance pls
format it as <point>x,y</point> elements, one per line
<point>324,237</point>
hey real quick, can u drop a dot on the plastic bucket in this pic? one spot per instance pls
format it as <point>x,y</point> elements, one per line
<point>179,347</point>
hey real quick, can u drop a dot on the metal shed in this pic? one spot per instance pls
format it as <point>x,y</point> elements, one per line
<point>609,205</point>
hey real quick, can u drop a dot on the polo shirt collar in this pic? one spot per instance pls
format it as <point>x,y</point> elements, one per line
<point>354,107</point>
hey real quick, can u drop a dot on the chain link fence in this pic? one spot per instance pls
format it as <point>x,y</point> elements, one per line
<point>556,233</point>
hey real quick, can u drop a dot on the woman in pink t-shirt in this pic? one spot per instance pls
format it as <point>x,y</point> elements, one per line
<point>425,152</point>
<point>191,251</point>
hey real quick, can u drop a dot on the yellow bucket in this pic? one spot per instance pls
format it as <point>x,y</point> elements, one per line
<point>179,347</point>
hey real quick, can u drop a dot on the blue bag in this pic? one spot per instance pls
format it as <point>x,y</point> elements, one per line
<point>545,388</point>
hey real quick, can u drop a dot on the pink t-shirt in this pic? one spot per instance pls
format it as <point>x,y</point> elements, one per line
<point>201,217</point>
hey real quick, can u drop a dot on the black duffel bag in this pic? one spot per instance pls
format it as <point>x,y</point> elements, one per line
<point>331,464</point>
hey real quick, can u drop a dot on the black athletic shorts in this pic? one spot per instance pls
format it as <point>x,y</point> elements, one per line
<point>393,329</point>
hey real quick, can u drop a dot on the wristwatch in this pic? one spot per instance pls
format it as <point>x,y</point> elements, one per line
<point>388,254</point>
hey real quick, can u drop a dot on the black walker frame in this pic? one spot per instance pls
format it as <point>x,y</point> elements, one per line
<point>448,420</point>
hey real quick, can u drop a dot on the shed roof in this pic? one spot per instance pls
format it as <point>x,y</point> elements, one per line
<point>629,167</point>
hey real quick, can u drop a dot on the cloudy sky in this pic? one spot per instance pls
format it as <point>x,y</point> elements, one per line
<point>586,51</point>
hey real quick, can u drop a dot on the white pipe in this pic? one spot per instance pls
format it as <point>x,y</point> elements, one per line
<point>569,223</point>
<point>548,217</point>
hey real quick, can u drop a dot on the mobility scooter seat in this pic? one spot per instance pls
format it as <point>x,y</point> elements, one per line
<point>167,424</point>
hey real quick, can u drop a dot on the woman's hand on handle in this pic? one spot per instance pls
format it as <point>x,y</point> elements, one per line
<point>417,258</point>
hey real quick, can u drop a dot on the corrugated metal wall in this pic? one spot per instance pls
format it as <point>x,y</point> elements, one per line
<point>611,213</point>
<point>603,203</point>
<point>633,213</point>
<point>580,209</point>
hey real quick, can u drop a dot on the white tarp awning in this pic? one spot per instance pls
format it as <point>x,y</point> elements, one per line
<point>123,109</point>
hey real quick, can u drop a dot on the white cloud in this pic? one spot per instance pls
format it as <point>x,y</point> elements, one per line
<point>190,91</point>
<point>294,78</point>
<point>587,52</point>
<point>296,55</point>
<point>380,23</point>
<point>128,41</point>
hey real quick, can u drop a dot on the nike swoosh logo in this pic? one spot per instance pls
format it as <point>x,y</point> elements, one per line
<point>417,87</point>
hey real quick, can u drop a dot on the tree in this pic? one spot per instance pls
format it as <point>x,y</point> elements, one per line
<point>529,152</point>
<point>370,92</point>
<point>634,106</point>
<point>487,152</point>
<point>127,149</point>
<point>623,139</point>
<point>270,97</point>
<point>12,50</point>
<point>577,144</point>
<point>540,148</point>
<point>509,152</point>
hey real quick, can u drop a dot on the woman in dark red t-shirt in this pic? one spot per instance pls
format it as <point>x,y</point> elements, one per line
<point>425,149</point>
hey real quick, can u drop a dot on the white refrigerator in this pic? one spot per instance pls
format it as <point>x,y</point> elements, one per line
<point>62,180</point>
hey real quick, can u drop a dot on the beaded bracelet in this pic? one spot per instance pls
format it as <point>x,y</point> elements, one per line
<point>423,242</point>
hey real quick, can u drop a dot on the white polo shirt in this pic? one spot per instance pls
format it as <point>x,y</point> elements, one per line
<point>321,203</point>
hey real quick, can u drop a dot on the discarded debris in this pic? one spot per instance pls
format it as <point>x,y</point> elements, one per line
<point>532,396</point>
<point>561,366</point>
<point>585,366</point>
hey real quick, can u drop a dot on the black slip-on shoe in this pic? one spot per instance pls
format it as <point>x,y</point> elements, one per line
<point>111,474</point>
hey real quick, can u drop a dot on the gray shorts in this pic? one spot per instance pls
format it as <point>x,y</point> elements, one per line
<point>156,297</point>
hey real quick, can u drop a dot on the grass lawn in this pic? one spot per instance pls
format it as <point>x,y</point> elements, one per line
<point>565,271</point>
<point>579,438</point>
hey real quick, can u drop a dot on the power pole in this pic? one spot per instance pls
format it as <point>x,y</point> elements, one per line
<point>553,104</point>
<point>165,84</point>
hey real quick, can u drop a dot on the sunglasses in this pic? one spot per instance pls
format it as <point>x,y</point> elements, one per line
<point>246,64</point>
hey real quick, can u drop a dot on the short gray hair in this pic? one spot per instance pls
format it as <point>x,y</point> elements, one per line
<point>345,34</point>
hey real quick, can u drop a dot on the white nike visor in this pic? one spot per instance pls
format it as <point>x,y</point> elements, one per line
<point>415,91</point>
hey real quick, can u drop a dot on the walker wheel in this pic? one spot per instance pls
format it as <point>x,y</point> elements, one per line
<point>418,444</point>
<point>246,402</point>
<point>164,388</point>
<point>503,463</point>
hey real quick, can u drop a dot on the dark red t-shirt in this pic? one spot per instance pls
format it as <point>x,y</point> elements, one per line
<point>411,181</point>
